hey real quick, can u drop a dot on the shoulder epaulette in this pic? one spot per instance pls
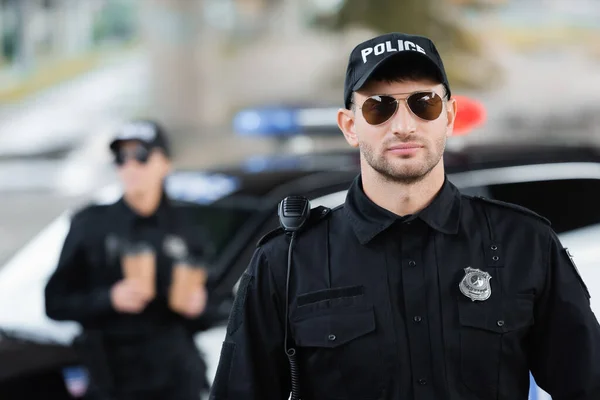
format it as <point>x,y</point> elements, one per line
<point>88,209</point>
<point>512,206</point>
<point>269,235</point>
<point>86,214</point>
<point>316,214</point>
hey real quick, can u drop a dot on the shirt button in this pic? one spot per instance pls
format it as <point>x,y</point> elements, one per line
<point>500,323</point>
<point>411,263</point>
<point>331,337</point>
<point>417,319</point>
<point>422,382</point>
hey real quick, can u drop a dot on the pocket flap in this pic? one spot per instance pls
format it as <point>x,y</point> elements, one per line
<point>334,329</point>
<point>516,313</point>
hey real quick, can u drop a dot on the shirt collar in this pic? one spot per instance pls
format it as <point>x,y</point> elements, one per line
<point>369,220</point>
<point>161,215</point>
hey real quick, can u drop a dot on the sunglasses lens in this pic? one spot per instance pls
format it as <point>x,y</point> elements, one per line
<point>139,153</point>
<point>427,105</point>
<point>378,109</point>
<point>142,154</point>
<point>120,158</point>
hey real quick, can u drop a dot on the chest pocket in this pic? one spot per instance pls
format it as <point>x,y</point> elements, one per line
<point>338,350</point>
<point>488,332</point>
<point>102,253</point>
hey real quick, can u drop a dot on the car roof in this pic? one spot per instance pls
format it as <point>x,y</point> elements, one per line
<point>258,176</point>
<point>494,155</point>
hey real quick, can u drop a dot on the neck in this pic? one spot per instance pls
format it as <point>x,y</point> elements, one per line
<point>144,204</point>
<point>402,198</point>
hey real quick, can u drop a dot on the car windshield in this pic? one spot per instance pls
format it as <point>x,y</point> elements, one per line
<point>221,221</point>
<point>570,204</point>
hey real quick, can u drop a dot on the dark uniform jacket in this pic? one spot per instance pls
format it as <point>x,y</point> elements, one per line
<point>142,349</point>
<point>377,310</point>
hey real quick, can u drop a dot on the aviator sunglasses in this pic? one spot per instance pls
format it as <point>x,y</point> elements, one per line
<point>424,105</point>
<point>139,153</point>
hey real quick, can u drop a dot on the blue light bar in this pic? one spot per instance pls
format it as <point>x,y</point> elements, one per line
<point>266,122</point>
<point>271,163</point>
<point>286,122</point>
<point>200,187</point>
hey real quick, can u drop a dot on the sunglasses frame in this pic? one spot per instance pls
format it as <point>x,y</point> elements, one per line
<point>133,154</point>
<point>405,100</point>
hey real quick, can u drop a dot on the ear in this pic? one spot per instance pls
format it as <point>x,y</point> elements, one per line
<point>345,120</point>
<point>451,111</point>
<point>166,166</point>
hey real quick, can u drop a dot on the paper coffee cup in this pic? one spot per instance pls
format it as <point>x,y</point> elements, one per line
<point>139,263</point>
<point>186,280</point>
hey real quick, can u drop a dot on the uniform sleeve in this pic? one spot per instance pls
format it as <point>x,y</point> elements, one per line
<point>67,298</point>
<point>565,342</point>
<point>253,363</point>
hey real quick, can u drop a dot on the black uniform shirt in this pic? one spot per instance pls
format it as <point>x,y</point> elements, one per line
<point>90,264</point>
<point>376,311</point>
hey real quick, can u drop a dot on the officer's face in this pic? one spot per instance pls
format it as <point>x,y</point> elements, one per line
<point>141,170</point>
<point>404,148</point>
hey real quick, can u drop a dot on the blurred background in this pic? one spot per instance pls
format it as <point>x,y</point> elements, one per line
<point>72,70</point>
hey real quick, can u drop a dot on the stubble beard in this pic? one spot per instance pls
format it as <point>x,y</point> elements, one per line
<point>404,174</point>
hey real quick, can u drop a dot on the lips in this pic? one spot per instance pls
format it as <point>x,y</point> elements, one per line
<point>405,149</point>
<point>405,146</point>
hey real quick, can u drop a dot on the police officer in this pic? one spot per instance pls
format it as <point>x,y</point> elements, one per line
<point>134,344</point>
<point>409,290</point>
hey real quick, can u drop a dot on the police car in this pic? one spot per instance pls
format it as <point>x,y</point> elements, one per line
<point>238,205</point>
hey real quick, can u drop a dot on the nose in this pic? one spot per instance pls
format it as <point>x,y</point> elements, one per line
<point>403,122</point>
<point>131,162</point>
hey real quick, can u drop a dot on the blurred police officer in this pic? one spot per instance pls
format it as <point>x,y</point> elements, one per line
<point>410,290</point>
<point>134,344</point>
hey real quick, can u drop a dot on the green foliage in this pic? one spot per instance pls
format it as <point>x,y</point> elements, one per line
<point>115,21</point>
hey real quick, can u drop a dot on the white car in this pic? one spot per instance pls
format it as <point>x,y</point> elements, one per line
<point>238,205</point>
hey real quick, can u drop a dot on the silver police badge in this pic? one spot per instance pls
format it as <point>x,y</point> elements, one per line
<point>476,284</point>
<point>175,247</point>
<point>111,245</point>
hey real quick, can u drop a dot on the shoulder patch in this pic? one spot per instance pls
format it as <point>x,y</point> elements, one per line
<point>236,317</point>
<point>514,207</point>
<point>316,214</point>
<point>566,252</point>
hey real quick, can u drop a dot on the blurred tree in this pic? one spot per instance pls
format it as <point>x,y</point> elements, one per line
<point>25,44</point>
<point>171,32</point>
<point>115,21</point>
<point>462,50</point>
<point>10,35</point>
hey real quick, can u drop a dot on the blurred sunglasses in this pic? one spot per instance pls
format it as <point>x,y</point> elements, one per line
<point>139,153</point>
<point>424,105</point>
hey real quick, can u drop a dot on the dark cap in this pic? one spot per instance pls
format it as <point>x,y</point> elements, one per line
<point>147,132</point>
<point>370,55</point>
